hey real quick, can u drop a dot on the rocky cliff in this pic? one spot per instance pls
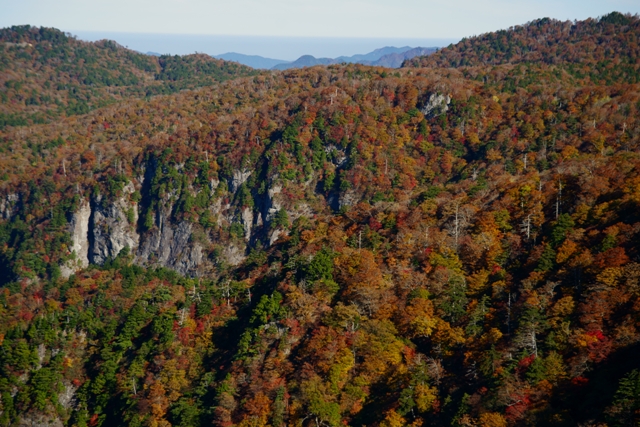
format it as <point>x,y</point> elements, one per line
<point>79,230</point>
<point>103,227</point>
<point>112,226</point>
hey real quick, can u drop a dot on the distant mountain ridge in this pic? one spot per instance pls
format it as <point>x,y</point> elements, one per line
<point>395,60</point>
<point>254,61</point>
<point>374,55</point>
<point>306,61</point>
<point>388,56</point>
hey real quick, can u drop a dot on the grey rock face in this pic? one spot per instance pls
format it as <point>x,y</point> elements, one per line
<point>247,221</point>
<point>274,204</point>
<point>275,235</point>
<point>7,205</point>
<point>213,184</point>
<point>233,254</point>
<point>348,198</point>
<point>101,228</point>
<point>79,229</point>
<point>111,230</point>
<point>169,245</point>
<point>239,178</point>
<point>437,105</point>
<point>68,397</point>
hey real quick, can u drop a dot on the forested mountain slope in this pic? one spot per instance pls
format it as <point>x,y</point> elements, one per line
<point>333,246</point>
<point>46,74</point>
<point>607,49</point>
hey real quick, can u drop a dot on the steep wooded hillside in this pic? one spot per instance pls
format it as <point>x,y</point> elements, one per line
<point>607,49</point>
<point>342,245</point>
<point>46,74</point>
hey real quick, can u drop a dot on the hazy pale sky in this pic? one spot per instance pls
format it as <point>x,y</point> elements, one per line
<point>310,18</point>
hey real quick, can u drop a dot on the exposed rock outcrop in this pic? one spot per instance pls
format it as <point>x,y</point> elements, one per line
<point>101,228</point>
<point>437,105</point>
<point>274,235</point>
<point>170,245</point>
<point>79,229</point>
<point>113,227</point>
<point>67,398</point>
<point>247,222</point>
<point>274,204</point>
<point>7,205</point>
<point>213,184</point>
<point>239,178</point>
<point>348,198</point>
<point>233,254</point>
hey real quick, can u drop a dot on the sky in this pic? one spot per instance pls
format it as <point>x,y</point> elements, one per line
<point>292,23</point>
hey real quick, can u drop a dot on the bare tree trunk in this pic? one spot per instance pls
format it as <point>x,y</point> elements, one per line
<point>558,199</point>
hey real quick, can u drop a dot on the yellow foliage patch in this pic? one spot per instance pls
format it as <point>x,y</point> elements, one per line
<point>565,251</point>
<point>492,419</point>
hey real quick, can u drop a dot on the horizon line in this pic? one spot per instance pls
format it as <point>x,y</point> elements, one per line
<point>72,32</point>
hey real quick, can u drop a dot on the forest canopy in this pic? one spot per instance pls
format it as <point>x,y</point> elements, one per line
<point>451,243</point>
